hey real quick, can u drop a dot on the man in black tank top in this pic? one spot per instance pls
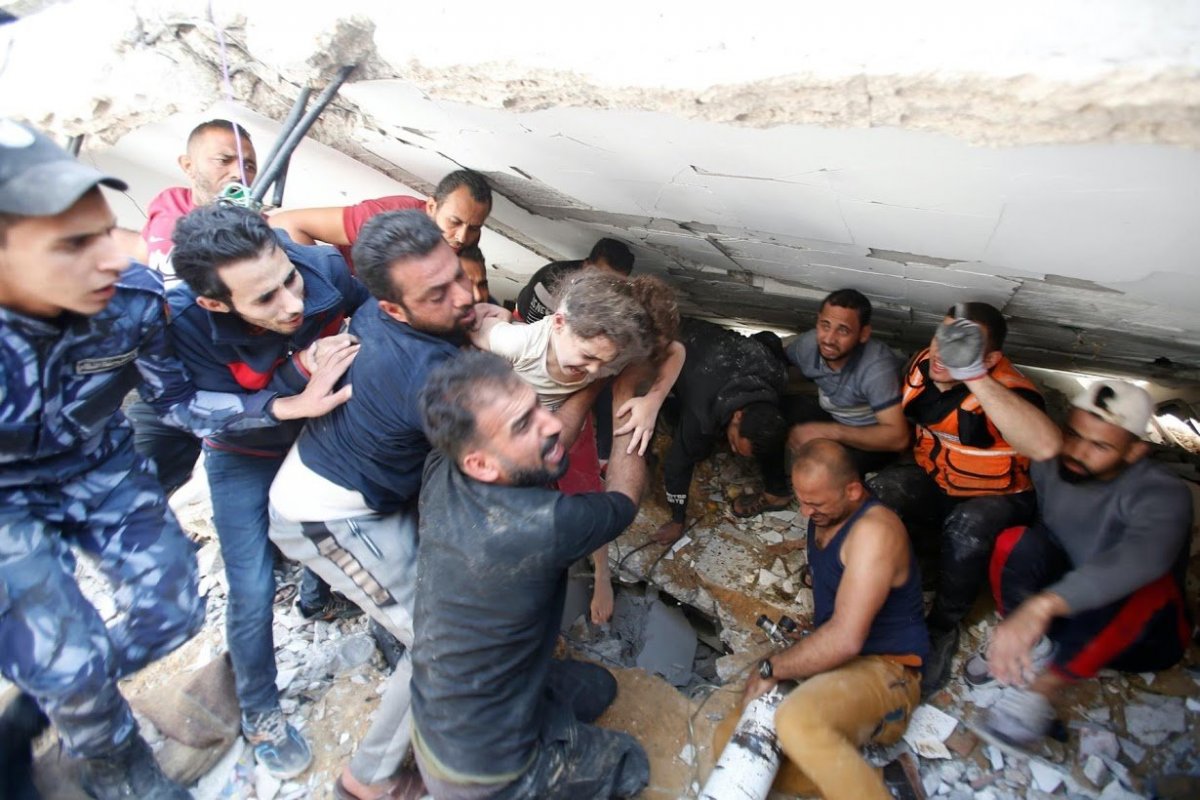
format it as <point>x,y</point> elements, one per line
<point>861,666</point>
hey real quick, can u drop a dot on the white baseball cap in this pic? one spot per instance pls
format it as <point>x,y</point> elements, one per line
<point>1118,403</point>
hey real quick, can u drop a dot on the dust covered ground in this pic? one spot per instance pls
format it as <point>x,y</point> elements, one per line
<point>1126,734</point>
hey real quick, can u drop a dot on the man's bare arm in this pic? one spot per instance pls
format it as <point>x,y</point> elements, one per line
<point>1024,425</point>
<point>574,411</point>
<point>874,554</point>
<point>312,225</point>
<point>890,434</point>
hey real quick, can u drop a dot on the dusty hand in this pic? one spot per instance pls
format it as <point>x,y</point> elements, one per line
<point>960,348</point>
<point>319,397</point>
<point>756,686</point>
<point>1010,653</point>
<point>602,600</point>
<point>325,348</point>
<point>642,413</point>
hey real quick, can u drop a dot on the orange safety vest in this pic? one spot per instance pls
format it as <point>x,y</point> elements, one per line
<point>959,470</point>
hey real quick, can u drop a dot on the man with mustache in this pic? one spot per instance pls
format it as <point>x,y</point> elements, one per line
<point>495,715</point>
<point>344,501</point>
<point>971,476</point>
<point>459,206</point>
<point>858,385</point>
<point>258,327</point>
<point>1098,580</point>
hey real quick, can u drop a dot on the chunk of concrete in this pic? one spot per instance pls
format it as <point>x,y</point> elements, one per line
<point>1045,777</point>
<point>1095,770</point>
<point>670,644</point>
<point>1095,741</point>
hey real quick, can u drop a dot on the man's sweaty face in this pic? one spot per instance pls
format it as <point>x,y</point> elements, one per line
<point>460,218</point>
<point>211,164</point>
<point>267,291</point>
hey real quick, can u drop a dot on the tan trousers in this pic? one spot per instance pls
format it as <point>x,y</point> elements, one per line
<point>824,721</point>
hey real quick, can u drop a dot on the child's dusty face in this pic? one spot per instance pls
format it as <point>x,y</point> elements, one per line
<point>578,357</point>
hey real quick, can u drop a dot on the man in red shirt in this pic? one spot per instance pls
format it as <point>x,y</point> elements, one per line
<point>460,205</point>
<point>216,157</point>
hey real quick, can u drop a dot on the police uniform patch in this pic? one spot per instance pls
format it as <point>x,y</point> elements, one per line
<point>90,366</point>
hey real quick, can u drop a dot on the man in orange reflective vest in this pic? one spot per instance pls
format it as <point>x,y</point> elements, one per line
<point>969,480</point>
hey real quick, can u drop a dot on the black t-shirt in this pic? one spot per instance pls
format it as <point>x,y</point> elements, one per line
<point>492,577</point>
<point>539,298</point>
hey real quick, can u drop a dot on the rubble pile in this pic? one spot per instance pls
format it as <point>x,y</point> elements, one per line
<point>680,642</point>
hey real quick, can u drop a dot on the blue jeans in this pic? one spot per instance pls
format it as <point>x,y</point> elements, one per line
<point>239,485</point>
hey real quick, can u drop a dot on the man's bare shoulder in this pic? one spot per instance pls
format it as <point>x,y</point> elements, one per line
<point>879,533</point>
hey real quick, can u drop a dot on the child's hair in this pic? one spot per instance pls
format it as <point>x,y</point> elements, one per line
<point>659,301</point>
<point>596,303</point>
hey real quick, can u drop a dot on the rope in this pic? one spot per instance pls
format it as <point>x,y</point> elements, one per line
<point>227,86</point>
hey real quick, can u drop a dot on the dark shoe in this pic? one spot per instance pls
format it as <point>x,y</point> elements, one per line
<point>389,646</point>
<point>21,722</point>
<point>943,645</point>
<point>129,773</point>
<point>335,608</point>
<point>277,745</point>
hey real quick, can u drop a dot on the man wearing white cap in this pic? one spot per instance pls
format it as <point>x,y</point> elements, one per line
<point>1098,580</point>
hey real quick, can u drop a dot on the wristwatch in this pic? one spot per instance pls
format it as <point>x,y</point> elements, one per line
<point>765,671</point>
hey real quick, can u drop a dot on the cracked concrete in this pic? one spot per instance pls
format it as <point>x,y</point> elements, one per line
<point>1053,173</point>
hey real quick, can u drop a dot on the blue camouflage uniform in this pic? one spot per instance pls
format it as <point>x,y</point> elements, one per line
<point>69,476</point>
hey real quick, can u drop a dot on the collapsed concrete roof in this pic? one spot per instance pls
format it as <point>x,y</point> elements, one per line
<point>1045,160</point>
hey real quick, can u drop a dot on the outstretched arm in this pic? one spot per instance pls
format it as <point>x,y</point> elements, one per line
<point>961,345</point>
<point>889,433</point>
<point>312,225</point>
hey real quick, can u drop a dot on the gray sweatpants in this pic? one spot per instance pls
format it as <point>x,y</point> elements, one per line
<point>372,560</point>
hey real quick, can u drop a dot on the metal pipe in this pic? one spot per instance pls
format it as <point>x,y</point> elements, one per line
<point>280,182</point>
<point>289,122</point>
<point>293,139</point>
<point>74,145</point>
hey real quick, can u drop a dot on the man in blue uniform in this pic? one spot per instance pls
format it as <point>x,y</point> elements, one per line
<point>74,317</point>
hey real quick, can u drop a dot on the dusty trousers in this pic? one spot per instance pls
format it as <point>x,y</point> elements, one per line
<point>824,721</point>
<point>372,560</point>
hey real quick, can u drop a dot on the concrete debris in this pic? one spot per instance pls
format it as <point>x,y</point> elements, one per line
<point>1095,770</point>
<point>1115,791</point>
<point>771,537</point>
<point>1095,741</point>
<point>1045,777</point>
<point>670,644</point>
<point>688,754</point>
<point>996,757</point>
<point>266,786</point>
<point>1154,719</point>
<point>1133,751</point>
<point>767,578</point>
<point>928,729</point>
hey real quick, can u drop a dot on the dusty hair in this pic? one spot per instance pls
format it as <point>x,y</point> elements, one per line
<point>598,304</point>
<point>659,301</point>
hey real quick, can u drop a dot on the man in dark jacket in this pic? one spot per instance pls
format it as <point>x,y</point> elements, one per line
<point>494,714</point>
<point>731,385</point>
<point>258,317</point>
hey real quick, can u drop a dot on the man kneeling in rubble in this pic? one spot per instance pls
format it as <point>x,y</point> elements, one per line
<point>861,666</point>
<point>494,714</point>
<point>1098,580</point>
